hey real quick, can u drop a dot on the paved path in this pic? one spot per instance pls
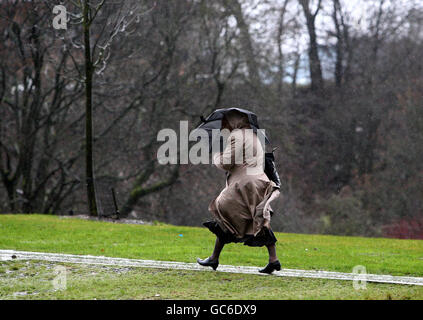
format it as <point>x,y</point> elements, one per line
<point>99,260</point>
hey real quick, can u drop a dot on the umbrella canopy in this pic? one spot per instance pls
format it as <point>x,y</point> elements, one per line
<point>214,121</point>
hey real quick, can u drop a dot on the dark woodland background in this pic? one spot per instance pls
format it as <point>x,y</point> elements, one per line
<point>336,84</point>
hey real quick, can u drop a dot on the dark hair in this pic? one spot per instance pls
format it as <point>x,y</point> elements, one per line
<point>235,120</point>
<point>226,124</point>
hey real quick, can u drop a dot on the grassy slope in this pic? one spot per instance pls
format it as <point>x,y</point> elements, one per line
<point>163,242</point>
<point>33,280</point>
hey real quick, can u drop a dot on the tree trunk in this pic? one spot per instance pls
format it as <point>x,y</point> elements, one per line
<point>313,51</point>
<point>281,71</point>
<point>29,126</point>
<point>234,7</point>
<point>339,44</point>
<point>295,75</point>
<point>91,196</point>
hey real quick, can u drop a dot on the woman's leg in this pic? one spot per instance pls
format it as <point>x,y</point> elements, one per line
<point>274,263</point>
<point>272,253</point>
<point>218,246</point>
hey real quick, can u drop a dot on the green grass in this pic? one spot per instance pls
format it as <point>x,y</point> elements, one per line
<point>33,280</point>
<point>163,242</point>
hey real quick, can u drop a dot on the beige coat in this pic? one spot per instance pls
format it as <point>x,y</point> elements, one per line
<point>243,206</point>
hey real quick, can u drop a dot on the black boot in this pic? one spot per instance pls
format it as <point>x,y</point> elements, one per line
<point>272,266</point>
<point>208,263</point>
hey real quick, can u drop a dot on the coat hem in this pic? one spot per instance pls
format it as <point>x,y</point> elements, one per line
<point>265,237</point>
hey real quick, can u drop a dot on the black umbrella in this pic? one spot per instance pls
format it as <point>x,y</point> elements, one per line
<point>214,121</point>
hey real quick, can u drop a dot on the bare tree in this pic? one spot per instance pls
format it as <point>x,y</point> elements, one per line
<point>280,33</point>
<point>36,112</point>
<point>96,54</point>
<point>313,53</point>
<point>338,22</point>
<point>234,8</point>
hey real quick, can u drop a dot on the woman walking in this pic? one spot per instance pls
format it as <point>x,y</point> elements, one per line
<point>242,211</point>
